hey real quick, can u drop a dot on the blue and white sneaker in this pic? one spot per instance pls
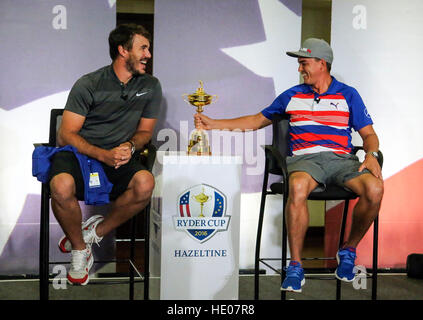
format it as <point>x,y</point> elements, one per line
<point>294,277</point>
<point>346,258</point>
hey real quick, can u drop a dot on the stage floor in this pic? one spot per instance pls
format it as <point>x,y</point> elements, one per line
<point>390,287</point>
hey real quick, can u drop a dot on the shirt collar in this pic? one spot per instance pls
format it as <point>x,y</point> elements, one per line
<point>331,90</point>
<point>111,73</point>
<point>333,86</point>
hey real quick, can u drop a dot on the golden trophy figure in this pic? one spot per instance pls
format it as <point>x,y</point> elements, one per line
<point>202,198</point>
<point>199,141</point>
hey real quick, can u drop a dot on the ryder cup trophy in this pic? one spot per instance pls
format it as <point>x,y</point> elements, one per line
<point>201,198</point>
<point>199,141</point>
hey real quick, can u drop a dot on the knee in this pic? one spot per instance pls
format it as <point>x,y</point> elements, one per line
<point>298,189</point>
<point>374,192</point>
<point>62,187</point>
<point>143,185</point>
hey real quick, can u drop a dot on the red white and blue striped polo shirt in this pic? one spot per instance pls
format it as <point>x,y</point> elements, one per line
<point>321,122</point>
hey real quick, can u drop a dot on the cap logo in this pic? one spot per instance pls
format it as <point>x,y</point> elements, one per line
<point>306,50</point>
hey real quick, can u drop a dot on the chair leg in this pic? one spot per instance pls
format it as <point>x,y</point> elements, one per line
<point>258,243</point>
<point>147,252</point>
<point>284,243</point>
<point>132,257</point>
<point>44,243</point>
<point>259,232</point>
<point>375,258</point>
<point>341,241</point>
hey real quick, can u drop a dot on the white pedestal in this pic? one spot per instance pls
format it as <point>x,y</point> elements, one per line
<point>195,257</point>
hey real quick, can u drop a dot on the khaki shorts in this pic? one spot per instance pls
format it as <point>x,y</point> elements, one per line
<point>326,167</point>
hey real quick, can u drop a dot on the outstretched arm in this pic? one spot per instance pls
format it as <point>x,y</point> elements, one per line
<point>251,122</point>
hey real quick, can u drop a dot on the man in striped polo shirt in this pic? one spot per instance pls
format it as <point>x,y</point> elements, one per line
<point>323,112</point>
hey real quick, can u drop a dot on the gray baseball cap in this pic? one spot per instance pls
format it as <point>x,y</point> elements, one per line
<point>314,48</point>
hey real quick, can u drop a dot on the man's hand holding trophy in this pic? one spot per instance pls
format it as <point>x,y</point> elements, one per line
<point>199,142</point>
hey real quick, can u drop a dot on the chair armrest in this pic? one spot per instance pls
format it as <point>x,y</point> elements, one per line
<point>380,158</point>
<point>148,155</point>
<point>45,144</point>
<point>276,158</point>
<point>356,149</point>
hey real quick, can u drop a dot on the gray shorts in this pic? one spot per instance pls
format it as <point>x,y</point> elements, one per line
<point>326,167</point>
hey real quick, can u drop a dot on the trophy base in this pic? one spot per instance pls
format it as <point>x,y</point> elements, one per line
<point>199,144</point>
<point>199,153</point>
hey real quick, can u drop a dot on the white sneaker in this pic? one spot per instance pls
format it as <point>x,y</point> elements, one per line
<point>81,263</point>
<point>88,233</point>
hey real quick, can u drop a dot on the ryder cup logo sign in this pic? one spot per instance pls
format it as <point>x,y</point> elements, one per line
<point>201,212</point>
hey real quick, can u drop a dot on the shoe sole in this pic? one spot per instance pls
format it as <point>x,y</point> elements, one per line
<point>90,264</point>
<point>336,272</point>
<point>84,225</point>
<point>290,289</point>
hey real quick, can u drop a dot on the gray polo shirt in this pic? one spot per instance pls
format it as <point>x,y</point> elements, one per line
<point>111,109</point>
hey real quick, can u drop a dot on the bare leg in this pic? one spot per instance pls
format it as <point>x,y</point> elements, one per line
<point>68,212</point>
<point>370,190</point>
<point>131,202</point>
<point>297,216</point>
<point>66,208</point>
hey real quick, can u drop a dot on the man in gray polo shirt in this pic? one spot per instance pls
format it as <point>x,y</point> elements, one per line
<point>109,114</point>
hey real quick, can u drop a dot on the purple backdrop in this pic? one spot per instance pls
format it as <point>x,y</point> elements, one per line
<point>46,46</point>
<point>38,60</point>
<point>189,40</point>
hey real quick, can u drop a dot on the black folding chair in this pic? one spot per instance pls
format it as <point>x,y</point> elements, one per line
<point>275,164</point>
<point>148,156</point>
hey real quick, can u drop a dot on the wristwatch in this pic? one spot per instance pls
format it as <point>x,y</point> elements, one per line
<point>374,154</point>
<point>132,146</point>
